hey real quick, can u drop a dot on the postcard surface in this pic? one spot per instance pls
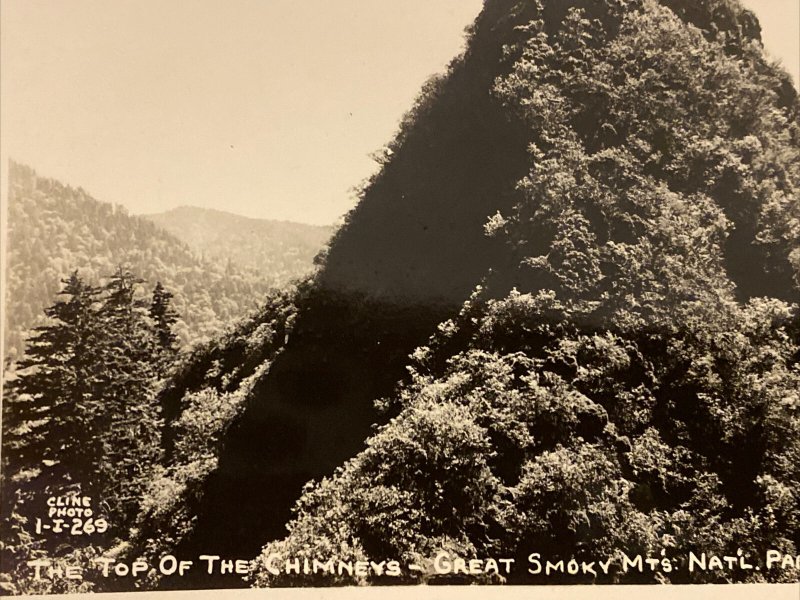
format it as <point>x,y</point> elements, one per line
<point>283,309</point>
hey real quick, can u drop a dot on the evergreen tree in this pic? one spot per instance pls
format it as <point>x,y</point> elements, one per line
<point>131,420</point>
<point>164,317</point>
<point>54,391</point>
<point>49,412</point>
<point>81,414</point>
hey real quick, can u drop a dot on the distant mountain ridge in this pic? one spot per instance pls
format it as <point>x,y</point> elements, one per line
<point>278,250</point>
<point>54,229</point>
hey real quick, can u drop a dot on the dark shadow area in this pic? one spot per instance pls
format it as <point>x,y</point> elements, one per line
<point>409,254</point>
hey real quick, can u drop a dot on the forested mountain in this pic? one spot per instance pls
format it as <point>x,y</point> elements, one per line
<point>562,319</point>
<point>280,251</point>
<point>54,229</point>
<point>586,237</point>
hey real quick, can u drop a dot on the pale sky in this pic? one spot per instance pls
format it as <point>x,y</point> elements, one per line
<point>266,108</point>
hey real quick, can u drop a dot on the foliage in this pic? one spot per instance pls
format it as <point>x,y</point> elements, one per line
<point>164,318</point>
<point>54,228</point>
<point>623,376</point>
<point>627,379</point>
<point>205,395</point>
<point>81,419</point>
<point>277,251</point>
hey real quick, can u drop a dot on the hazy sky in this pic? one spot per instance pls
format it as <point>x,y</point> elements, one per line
<point>266,108</point>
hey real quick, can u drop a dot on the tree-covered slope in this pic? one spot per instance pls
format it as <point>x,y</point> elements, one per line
<point>280,251</point>
<point>54,229</point>
<point>405,259</point>
<point>629,381</point>
<point>587,234</point>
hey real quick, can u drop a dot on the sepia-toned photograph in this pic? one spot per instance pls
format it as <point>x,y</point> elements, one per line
<point>424,296</point>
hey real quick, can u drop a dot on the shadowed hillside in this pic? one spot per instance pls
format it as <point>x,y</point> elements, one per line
<point>406,258</point>
<point>588,253</point>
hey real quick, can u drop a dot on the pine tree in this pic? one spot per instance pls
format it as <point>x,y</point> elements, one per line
<point>81,414</point>
<point>164,317</point>
<point>49,411</point>
<point>130,354</point>
<point>54,390</point>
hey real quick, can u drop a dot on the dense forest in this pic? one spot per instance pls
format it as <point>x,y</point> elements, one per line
<point>562,319</point>
<point>54,228</point>
<point>81,420</point>
<point>279,251</point>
